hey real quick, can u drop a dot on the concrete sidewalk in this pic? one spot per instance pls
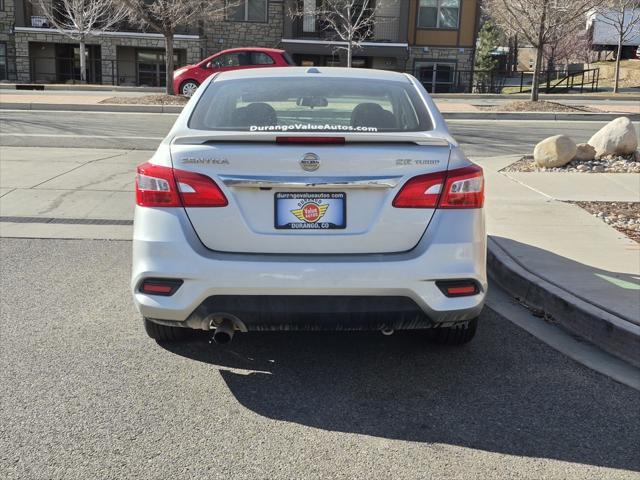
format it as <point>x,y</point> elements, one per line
<point>560,246</point>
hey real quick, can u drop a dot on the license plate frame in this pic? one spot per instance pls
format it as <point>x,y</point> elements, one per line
<point>299,208</point>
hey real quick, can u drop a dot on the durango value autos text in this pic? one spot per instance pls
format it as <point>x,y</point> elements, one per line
<point>309,198</point>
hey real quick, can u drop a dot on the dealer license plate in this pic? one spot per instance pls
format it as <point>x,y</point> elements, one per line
<point>310,210</point>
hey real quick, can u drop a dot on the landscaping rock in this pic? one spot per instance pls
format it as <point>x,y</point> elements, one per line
<point>554,151</point>
<point>585,153</point>
<point>618,137</point>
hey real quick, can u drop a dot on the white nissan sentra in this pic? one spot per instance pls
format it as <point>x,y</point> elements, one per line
<point>309,199</point>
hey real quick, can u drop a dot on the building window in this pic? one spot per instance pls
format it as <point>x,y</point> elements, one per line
<point>152,67</point>
<point>436,77</point>
<point>1,5</point>
<point>248,11</point>
<point>3,58</point>
<point>438,13</point>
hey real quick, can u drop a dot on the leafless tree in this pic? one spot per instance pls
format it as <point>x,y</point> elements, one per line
<point>623,16</point>
<point>167,16</point>
<point>539,23</point>
<point>568,48</point>
<point>350,21</point>
<point>79,19</point>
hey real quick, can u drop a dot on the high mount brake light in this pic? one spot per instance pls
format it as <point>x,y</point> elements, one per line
<point>459,188</point>
<point>158,186</point>
<point>312,140</point>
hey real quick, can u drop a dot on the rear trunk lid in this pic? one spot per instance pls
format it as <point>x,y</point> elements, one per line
<point>280,203</point>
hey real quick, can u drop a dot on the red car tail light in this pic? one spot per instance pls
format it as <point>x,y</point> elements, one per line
<point>422,191</point>
<point>464,188</point>
<point>459,188</point>
<point>158,186</point>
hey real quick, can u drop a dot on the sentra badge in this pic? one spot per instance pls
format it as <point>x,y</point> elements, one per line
<point>310,212</point>
<point>204,161</point>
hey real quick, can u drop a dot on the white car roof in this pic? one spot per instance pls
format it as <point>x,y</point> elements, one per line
<point>326,72</point>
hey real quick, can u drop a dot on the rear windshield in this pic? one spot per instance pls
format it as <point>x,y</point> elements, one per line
<point>310,104</point>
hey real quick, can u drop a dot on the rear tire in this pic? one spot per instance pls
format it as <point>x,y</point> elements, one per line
<point>456,335</point>
<point>163,333</point>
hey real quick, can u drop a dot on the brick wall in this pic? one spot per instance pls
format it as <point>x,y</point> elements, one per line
<point>7,20</point>
<point>108,47</point>
<point>463,58</point>
<point>223,34</point>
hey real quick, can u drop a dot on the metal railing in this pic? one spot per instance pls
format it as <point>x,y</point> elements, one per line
<point>561,81</point>
<point>45,70</point>
<point>496,82</point>
<point>40,21</point>
<point>385,29</point>
<point>138,73</point>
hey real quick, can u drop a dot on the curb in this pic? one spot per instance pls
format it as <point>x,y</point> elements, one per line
<point>543,96</point>
<point>582,319</point>
<point>635,117</point>
<point>631,97</point>
<point>550,116</point>
<point>66,107</point>
<point>27,87</point>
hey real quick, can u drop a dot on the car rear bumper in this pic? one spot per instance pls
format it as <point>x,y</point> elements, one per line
<point>315,291</point>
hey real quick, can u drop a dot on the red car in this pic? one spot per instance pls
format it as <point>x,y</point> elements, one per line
<point>187,79</point>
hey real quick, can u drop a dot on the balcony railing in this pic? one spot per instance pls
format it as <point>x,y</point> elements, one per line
<point>385,29</point>
<point>40,21</point>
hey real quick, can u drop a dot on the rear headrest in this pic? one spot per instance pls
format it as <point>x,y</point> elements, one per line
<point>260,114</point>
<point>372,115</point>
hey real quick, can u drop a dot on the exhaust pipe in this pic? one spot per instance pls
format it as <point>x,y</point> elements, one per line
<point>224,333</point>
<point>386,331</point>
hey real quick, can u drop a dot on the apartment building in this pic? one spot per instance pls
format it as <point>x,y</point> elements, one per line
<point>36,53</point>
<point>432,39</point>
<point>7,43</point>
<point>442,37</point>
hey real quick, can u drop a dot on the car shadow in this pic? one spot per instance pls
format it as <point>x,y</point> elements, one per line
<point>505,392</point>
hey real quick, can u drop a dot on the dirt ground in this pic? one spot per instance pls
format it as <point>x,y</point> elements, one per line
<point>527,106</point>
<point>148,100</point>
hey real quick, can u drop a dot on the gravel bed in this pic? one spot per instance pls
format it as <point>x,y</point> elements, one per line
<point>614,164</point>
<point>148,100</point>
<point>527,106</point>
<point>623,216</point>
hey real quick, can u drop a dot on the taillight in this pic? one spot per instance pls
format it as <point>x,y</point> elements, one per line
<point>199,190</point>
<point>158,186</point>
<point>460,188</point>
<point>464,188</point>
<point>420,192</point>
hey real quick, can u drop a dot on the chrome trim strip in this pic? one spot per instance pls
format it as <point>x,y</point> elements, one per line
<point>251,181</point>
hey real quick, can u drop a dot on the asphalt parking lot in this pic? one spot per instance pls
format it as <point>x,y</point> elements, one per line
<point>86,395</point>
